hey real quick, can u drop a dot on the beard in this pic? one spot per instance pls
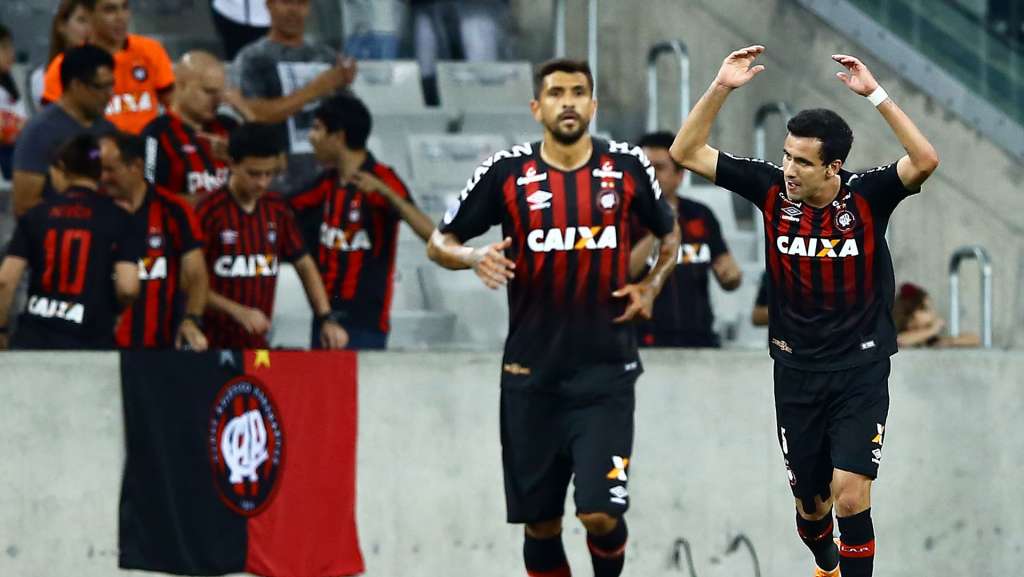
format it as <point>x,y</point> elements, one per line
<point>568,137</point>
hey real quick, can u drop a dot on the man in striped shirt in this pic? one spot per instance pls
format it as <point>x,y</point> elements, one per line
<point>186,147</point>
<point>354,209</point>
<point>172,272</point>
<point>248,231</point>
<point>831,290</point>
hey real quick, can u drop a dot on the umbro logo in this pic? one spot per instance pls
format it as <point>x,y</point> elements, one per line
<point>792,211</point>
<point>539,200</point>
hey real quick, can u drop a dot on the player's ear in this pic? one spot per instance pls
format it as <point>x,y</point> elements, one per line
<point>535,109</point>
<point>834,167</point>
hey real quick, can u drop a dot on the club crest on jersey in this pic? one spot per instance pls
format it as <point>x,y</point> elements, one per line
<point>844,220</point>
<point>272,234</point>
<point>539,200</point>
<point>156,241</point>
<point>696,228</point>
<point>608,200</point>
<point>572,238</point>
<point>817,247</point>
<point>140,73</point>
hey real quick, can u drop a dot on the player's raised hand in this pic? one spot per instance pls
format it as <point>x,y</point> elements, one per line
<point>737,68</point>
<point>490,264</point>
<point>857,76</point>
<point>641,302</point>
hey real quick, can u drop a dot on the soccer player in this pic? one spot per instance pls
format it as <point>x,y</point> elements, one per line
<point>831,291</point>
<point>248,230</point>
<point>682,311</point>
<point>186,147</point>
<point>355,207</point>
<point>172,271</point>
<point>570,362</point>
<point>75,243</point>
<point>143,76</point>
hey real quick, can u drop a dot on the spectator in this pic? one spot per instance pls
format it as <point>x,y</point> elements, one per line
<point>355,207</point>
<point>74,243</point>
<point>283,76</point>
<point>69,29</point>
<point>759,316</point>
<point>248,231</point>
<point>12,105</point>
<point>682,312</point>
<point>143,78</point>
<point>239,23</point>
<point>87,77</point>
<point>919,325</point>
<point>186,147</point>
<point>172,271</point>
<point>455,30</point>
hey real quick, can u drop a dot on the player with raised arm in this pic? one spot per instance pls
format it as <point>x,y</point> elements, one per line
<point>831,291</point>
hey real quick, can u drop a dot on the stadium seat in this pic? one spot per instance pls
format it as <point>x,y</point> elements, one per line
<point>466,86</point>
<point>450,159</point>
<point>293,318</point>
<point>389,86</point>
<point>508,122</point>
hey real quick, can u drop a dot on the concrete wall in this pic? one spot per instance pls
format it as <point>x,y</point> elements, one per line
<point>973,199</point>
<point>706,469</point>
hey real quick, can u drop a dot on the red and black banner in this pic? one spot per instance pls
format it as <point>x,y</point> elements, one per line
<point>240,461</point>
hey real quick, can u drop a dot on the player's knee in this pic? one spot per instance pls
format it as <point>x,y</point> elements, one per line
<point>598,523</point>
<point>852,498</point>
<point>544,529</point>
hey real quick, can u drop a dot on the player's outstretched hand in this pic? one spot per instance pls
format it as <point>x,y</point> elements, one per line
<point>490,264</point>
<point>333,336</point>
<point>736,69</point>
<point>641,302</point>
<point>857,76</point>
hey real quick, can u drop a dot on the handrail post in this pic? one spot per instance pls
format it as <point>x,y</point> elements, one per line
<point>767,109</point>
<point>592,52</point>
<point>560,28</point>
<point>978,253</point>
<point>678,49</point>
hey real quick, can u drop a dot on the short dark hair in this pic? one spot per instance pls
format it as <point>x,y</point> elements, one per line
<point>661,139</point>
<point>561,65</point>
<point>82,62</point>
<point>254,139</point>
<point>828,127</point>
<point>80,156</point>
<point>348,113</point>
<point>132,147</point>
<point>5,33</point>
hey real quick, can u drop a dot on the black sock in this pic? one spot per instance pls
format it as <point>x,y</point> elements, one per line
<point>545,557</point>
<point>817,535</point>
<point>608,552</point>
<point>856,545</point>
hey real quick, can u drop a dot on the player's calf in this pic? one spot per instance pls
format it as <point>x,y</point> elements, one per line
<point>856,532</point>
<point>543,552</point>
<point>606,540</point>
<point>817,535</point>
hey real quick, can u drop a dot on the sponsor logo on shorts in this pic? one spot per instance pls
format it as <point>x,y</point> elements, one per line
<point>877,452</point>
<point>618,471</point>
<point>632,366</point>
<point>619,494</point>
<point>782,345</point>
<point>867,345</point>
<point>515,369</point>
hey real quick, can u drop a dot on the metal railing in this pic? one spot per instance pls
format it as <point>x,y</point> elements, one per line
<point>678,49</point>
<point>784,111</point>
<point>978,253</point>
<point>560,23</point>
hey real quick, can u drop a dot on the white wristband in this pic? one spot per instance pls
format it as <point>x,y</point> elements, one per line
<point>878,96</point>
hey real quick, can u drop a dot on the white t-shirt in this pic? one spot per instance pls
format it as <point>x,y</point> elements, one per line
<point>248,12</point>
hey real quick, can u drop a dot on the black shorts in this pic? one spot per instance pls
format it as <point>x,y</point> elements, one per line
<point>830,420</point>
<point>581,427</point>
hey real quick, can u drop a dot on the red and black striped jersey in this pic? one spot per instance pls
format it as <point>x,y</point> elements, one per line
<point>357,239</point>
<point>182,161</point>
<point>571,241</point>
<point>682,312</point>
<point>830,277</point>
<point>71,242</point>
<point>243,252</point>
<point>171,230</point>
